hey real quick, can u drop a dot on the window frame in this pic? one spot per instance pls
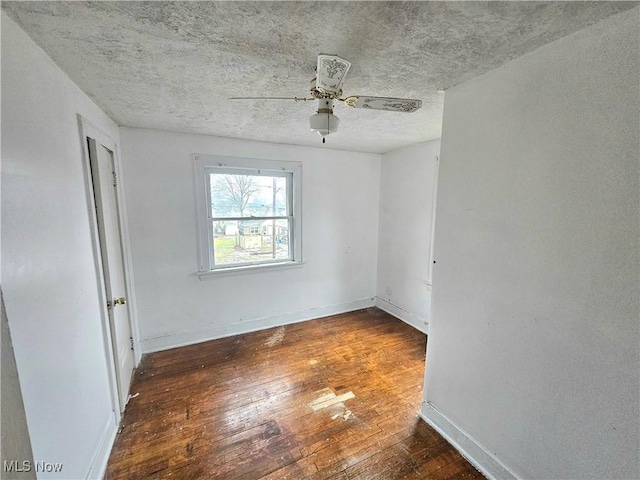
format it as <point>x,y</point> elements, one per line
<point>207,164</point>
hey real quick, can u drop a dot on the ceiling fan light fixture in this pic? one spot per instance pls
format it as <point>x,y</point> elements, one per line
<point>324,122</point>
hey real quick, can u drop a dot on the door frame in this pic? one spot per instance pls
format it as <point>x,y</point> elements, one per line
<point>436,173</point>
<point>89,130</point>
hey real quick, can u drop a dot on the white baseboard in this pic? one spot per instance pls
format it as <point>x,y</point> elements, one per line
<point>470,449</point>
<point>181,339</point>
<point>101,456</point>
<point>407,317</point>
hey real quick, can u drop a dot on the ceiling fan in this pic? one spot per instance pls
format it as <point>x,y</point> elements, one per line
<point>326,87</point>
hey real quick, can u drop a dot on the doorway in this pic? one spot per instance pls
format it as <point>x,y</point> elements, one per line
<point>102,182</point>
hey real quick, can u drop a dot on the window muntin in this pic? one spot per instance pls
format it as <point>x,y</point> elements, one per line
<point>249,212</point>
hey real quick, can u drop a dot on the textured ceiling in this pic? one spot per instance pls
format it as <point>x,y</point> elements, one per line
<point>173,65</point>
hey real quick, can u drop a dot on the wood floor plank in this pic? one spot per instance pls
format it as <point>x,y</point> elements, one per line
<point>333,398</point>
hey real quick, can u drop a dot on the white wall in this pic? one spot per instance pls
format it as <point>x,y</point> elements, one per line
<point>340,238</point>
<point>49,276</point>
<point>407,182</point>
<point>534,334</point>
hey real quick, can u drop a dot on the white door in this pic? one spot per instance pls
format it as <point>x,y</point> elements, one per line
<point>106,201</point>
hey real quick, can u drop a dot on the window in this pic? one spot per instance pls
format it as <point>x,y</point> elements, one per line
<point>248,212</point>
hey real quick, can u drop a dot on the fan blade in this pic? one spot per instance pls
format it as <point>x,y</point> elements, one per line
<point>331,71</point>
<point>297,99</point>
<point>384,103</point>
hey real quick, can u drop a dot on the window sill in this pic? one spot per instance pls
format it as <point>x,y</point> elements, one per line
<point>221,272</point>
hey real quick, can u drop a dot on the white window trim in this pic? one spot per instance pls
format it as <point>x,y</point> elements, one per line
<point>204,163</point>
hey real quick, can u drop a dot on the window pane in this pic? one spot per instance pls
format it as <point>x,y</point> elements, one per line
<point>248,195</point>
<point>250,241</point>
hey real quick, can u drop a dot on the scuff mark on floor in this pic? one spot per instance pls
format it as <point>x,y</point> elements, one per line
<point>276,338</point>
<point>328,399</point>
<point>345,414</point>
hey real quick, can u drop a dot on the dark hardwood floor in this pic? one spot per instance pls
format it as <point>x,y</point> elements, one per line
<point>331,398</point>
